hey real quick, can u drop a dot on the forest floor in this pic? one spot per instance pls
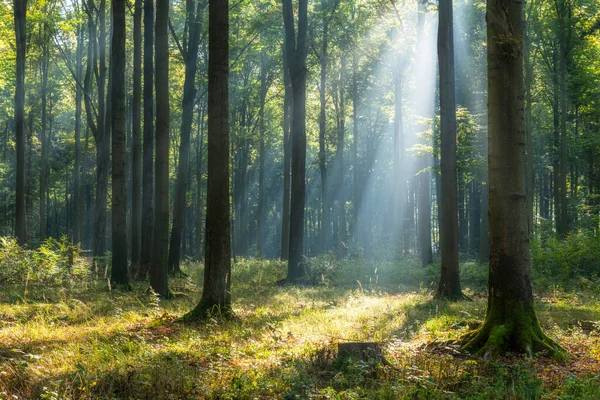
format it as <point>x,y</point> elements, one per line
<point>89,342</point>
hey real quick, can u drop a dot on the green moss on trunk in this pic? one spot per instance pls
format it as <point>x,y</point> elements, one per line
<point>510,326</point>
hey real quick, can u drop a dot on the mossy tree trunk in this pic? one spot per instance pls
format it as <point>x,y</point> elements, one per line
<point>511,323</point>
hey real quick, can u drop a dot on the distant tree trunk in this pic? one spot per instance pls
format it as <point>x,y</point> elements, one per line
<point>77,171</point>
<point>355,165</point>
<point>287,105</point>
<point>297,53</point>
<point>187,117</point>
<point>136,165</point>
<point>322,131</point>
<point>20,14</point>
<point>44,156</point>
<point>511,323</point>
<point>102,140</point>
<point>160,245</point>
<point>556,144</point>
<point>264,86</point>
<point>529,184</point>
<point>450,280</point>
<point>399,183</point>
<point>424,177</point>
<point>340,164</point>
<point>216,293</point>
<point>199,165</point>
<point>565,13</point>
<point>119,273</point>
<point>148,150</point>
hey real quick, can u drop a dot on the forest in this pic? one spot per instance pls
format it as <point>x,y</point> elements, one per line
<point>294,199</point>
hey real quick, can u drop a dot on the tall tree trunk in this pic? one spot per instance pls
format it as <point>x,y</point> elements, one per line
<point>297,53</point>
<point>529,183</point>
<point>340,164</point>
<point>102,140</point>
<point>44,156</point>
<point>216,293</point>
<point>322,132</point>
<point>563,48</point>
<point>356,228</point>
<point>119,273</point>
<point>148,150</point>
<point>187,117</point>
<point>399,205</point>
<point>450,280</point>
<point>20,14</point>
<point>511,322</point>
<point>264,86</point>
<point>160,245</point>
<point>287,146</point>
<point>199,166</point>
<point>136,164</point>
<point>556,144</point>
<point>77,172</point>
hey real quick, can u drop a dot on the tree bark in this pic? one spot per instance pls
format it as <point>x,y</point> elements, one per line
<point>148,150</point>
<point>189,93</point>
<point>77,172</point>
<point>449,287</point>
<point>20,15</point>
<point>297,53</point>
<point>43,139</point>
<point>216,293</point>
<point>160,245</point>
<point>119,272</point>
<point>136,165</point>
<point>264,86</point>
<point>325,225</point>
<point>286,125</point>
<point>511,323</point>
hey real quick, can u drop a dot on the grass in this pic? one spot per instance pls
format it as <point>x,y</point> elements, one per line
<point>86,342</point>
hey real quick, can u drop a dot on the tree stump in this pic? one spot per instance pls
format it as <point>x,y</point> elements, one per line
<point>364,351</point>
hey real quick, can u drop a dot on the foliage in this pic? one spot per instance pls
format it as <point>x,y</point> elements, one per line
<point>53,263</point>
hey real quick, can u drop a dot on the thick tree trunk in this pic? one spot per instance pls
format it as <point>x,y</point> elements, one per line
<point>160,245</point>
<point>187,117</point>
<point>136,165</point>
<point>199,166</point>
<point>449,287</point>
<point>511,323</point>
<point>119,273</point>
<point>20,12</point>
<point>216,293</point>
<point>297,52</point>
<point>148,150</point>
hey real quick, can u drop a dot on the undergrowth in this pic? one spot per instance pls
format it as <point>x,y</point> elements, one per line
<point>85,341</point>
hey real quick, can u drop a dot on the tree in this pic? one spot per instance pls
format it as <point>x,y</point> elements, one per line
<point>216,292</point>
<point>296,51</point>
<point>449,286</point>
<point>20,14</point>
<point>194,23</point>
<point>136,164</point>
<point>287,145</point>
<point>510,323</point>
<point>119,191</point>
<point>160,243</point>
<point>45,60</point>
<point>148,150</point>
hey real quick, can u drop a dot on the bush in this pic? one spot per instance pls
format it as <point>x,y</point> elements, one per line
<point>566,260</point>
<point>55,262</point>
